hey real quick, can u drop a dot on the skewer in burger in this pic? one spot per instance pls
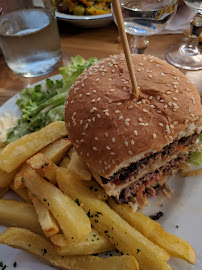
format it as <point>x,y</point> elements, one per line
<point>131,146</point>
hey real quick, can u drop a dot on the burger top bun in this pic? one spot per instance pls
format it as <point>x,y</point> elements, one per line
<point>110,130</point>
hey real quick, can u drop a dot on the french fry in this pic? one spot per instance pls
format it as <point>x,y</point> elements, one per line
<point>77,166</point>
<point>122,235</point>
<point>43,166</point>
<point>18,182</point>
<point>15,153</point>
<point>22,192</point>
<point>94,243</point>
<point>97,189</point>
<point>6,178</point>
<point>3,191</point>
<point>65,162</point>
<point>48,223</point>
<point>43,249</point>
<point>19,214</point>
<point>57,150</point>
<point>151,229</point>
<point>70,217</point>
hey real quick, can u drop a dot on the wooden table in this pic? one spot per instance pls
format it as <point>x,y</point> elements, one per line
<point>89,42</point>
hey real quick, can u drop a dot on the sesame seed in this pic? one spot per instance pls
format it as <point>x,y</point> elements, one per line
<point>135,132</point>
<point>187,89</point>
<point>72,102</point>
<point>106,113</point>
<point>113,70</point>
<point>117,111</point>
<point>186,121</point>
<point>174,105</point>
<point>175,83</point>
<point>151,61</point>
<point>144,101</point>
<point>127,119</point>
<point>108,148</point>
<point>138,69</point>
<point>174,98</point>
<point>158,97</point>
<point>88,120</point>
<point>176,91</point>
<point>162,100</point>
<point>144,110</point>
<point>74,124</point>
<point>170,137</point>
<point>96,138</point>
<point>106,134</point>
<point>168,92</point>
<point>94,91</point>
<point>141,124</point>
<point>130,153</point>
<point>98,115</point>
<point>154,135</point>
<point>94,148</point>
<point>159,111</point>
<point>124,88</point>
<point>170,104</point>
<point>86,126</point>
<point>152,106</point>
<point>120,117</point>
<point>93,100</point>
<point>192,115</point>
<point>146,124</point>
<point>97,79</point>
<point>132,142</point>
<point>119,103</point>
<point>83,133</point>
<point>172,126</point>
<point>175,123</point>
<point>81,141</point>
<point>126,143</point>
<point>141,64</point>
<point>93,109</point>
<point>130,106</point>
<point>87,94</point>
<point>112,90</point>
<point>112,153</point>
<point>150,76</point>
<point>81,122</point>
<point>87,154</point>
<point>161,124</point>
<point>113,140</point>
<point>163,74</point>
<point>127,124</point>
<point>139,102</point>
<point>140,119</point>
<point>150,98</point>
<point>165,106</point>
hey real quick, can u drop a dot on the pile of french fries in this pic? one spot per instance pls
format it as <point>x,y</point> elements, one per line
<point>66,217</point>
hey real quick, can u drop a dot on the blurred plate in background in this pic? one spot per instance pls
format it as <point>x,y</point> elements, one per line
<point>91,21</point>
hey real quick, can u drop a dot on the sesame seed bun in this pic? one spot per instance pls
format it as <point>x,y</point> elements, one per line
<point>110,131</point>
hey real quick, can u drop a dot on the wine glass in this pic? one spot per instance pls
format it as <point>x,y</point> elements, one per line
<point>188,56</point>
<point>145,18</point>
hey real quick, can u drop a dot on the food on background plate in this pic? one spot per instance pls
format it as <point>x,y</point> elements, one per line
<point>83,7</point>
<point>132,146</point>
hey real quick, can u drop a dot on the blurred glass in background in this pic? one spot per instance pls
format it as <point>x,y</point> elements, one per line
<point>29,36</point>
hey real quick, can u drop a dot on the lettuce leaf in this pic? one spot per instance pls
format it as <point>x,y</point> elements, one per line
<point>44,103</point>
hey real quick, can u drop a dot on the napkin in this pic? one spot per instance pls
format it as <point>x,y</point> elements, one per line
<point>180,22</point>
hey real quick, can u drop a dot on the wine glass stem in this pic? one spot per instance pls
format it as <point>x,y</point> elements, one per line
<point>138,44</point>
<point>191,45</point>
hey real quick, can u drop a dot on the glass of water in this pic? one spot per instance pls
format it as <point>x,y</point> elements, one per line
<point>145,18</point>
<point>188,55</point>
<point>29,36</point>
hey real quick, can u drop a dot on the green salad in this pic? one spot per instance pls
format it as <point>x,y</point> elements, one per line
<point>44,103</point>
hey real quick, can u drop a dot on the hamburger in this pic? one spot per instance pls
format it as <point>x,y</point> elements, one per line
<point>132,145</point>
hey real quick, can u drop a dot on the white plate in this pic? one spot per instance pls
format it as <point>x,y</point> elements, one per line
<point>182,210</point>
<point>93,21</point>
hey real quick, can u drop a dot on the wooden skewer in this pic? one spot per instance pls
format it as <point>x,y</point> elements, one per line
<point>119,18</point>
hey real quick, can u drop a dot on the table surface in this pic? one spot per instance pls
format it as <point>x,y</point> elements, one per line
<point>89,42</point>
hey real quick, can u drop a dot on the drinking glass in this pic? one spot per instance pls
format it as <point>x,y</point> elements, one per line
<point>29,36</point>
<point>188,56</point>
<point>145,18</point>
